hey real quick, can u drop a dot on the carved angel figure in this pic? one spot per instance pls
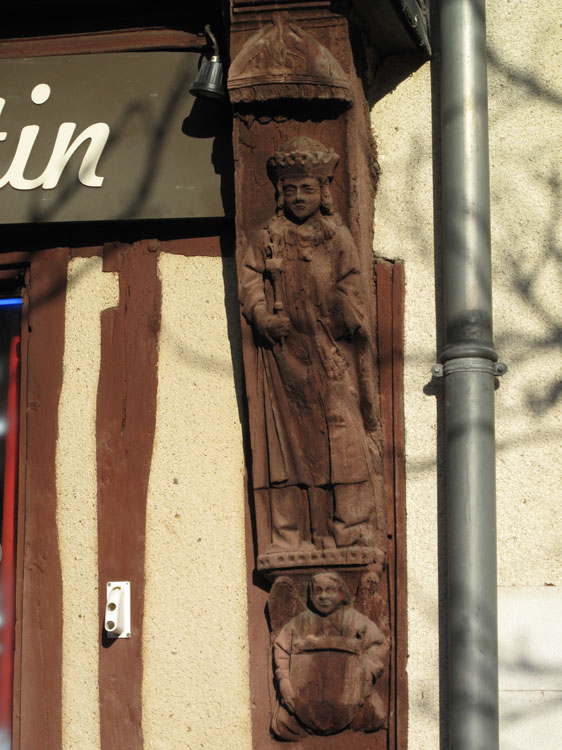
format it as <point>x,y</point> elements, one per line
<point>313,414</point>
<point>327,660</point>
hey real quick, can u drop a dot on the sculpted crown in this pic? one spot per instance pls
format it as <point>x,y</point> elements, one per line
<point>302,156</point>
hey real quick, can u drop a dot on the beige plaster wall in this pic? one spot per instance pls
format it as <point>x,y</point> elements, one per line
<point>195,652</point>
<point>526,178</point>
<point>89,291</point>
<point>404,229</point>
<point>526,181</point>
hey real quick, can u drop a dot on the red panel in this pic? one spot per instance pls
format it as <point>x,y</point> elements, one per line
<point>7,567</point>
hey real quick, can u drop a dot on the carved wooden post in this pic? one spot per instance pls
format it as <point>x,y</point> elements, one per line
<point>304,215</point>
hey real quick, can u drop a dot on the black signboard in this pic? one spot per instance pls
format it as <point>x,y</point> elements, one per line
<point>107,137</point>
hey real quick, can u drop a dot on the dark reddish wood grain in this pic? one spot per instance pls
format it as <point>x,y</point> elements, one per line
<point>39,716</point>
<point>383,275</point>
<point>127,40</point>
<point>400,598</point>
<point>20,535</point>
<point>126,418</point>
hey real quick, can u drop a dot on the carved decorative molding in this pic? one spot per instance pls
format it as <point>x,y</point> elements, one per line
<point>322,510</point>
<point>283,61</point>
<point>259,6</point>
<point>310,558</point>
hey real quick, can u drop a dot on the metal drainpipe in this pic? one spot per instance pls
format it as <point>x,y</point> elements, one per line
<point>469,366</point>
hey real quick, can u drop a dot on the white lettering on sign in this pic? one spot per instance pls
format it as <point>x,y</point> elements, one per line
<point>63,149</point>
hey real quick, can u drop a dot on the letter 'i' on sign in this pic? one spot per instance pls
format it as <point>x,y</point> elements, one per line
<point>63,149</point>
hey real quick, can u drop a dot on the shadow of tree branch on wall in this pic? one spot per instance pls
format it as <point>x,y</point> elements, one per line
<point>522,79</point>
<point>526,184</point>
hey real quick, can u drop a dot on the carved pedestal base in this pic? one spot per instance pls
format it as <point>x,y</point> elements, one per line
<point>271,561</point>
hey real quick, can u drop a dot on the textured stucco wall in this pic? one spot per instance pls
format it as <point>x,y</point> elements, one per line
<point>89,291</point>
<point>404,229</point>
<point>195,652</point>
<point>195,690</point>
<point>526,184</point>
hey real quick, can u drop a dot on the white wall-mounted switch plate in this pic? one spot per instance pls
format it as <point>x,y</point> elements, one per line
<point>117,621</point>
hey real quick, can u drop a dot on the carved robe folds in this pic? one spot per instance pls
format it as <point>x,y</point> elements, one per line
<point>310,402</point>
<point>310,385</point>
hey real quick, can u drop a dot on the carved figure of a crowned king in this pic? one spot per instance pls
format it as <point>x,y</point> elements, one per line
<point>312,417</point>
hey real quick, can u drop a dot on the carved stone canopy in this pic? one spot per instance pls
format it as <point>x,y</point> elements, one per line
<point>282,61</point>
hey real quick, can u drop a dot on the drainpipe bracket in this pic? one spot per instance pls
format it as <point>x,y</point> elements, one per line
<point>469,364</point>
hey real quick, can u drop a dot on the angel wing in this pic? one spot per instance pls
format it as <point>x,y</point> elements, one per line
<point>368,601</point>
<point>285,601</point>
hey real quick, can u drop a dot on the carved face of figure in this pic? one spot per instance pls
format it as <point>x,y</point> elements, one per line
<point>302,197</point>
<point>326,594</point>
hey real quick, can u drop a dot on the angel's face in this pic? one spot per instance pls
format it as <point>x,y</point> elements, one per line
<point>326,594</point>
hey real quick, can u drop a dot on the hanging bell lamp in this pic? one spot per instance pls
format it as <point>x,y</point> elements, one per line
<point>210,78</point>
